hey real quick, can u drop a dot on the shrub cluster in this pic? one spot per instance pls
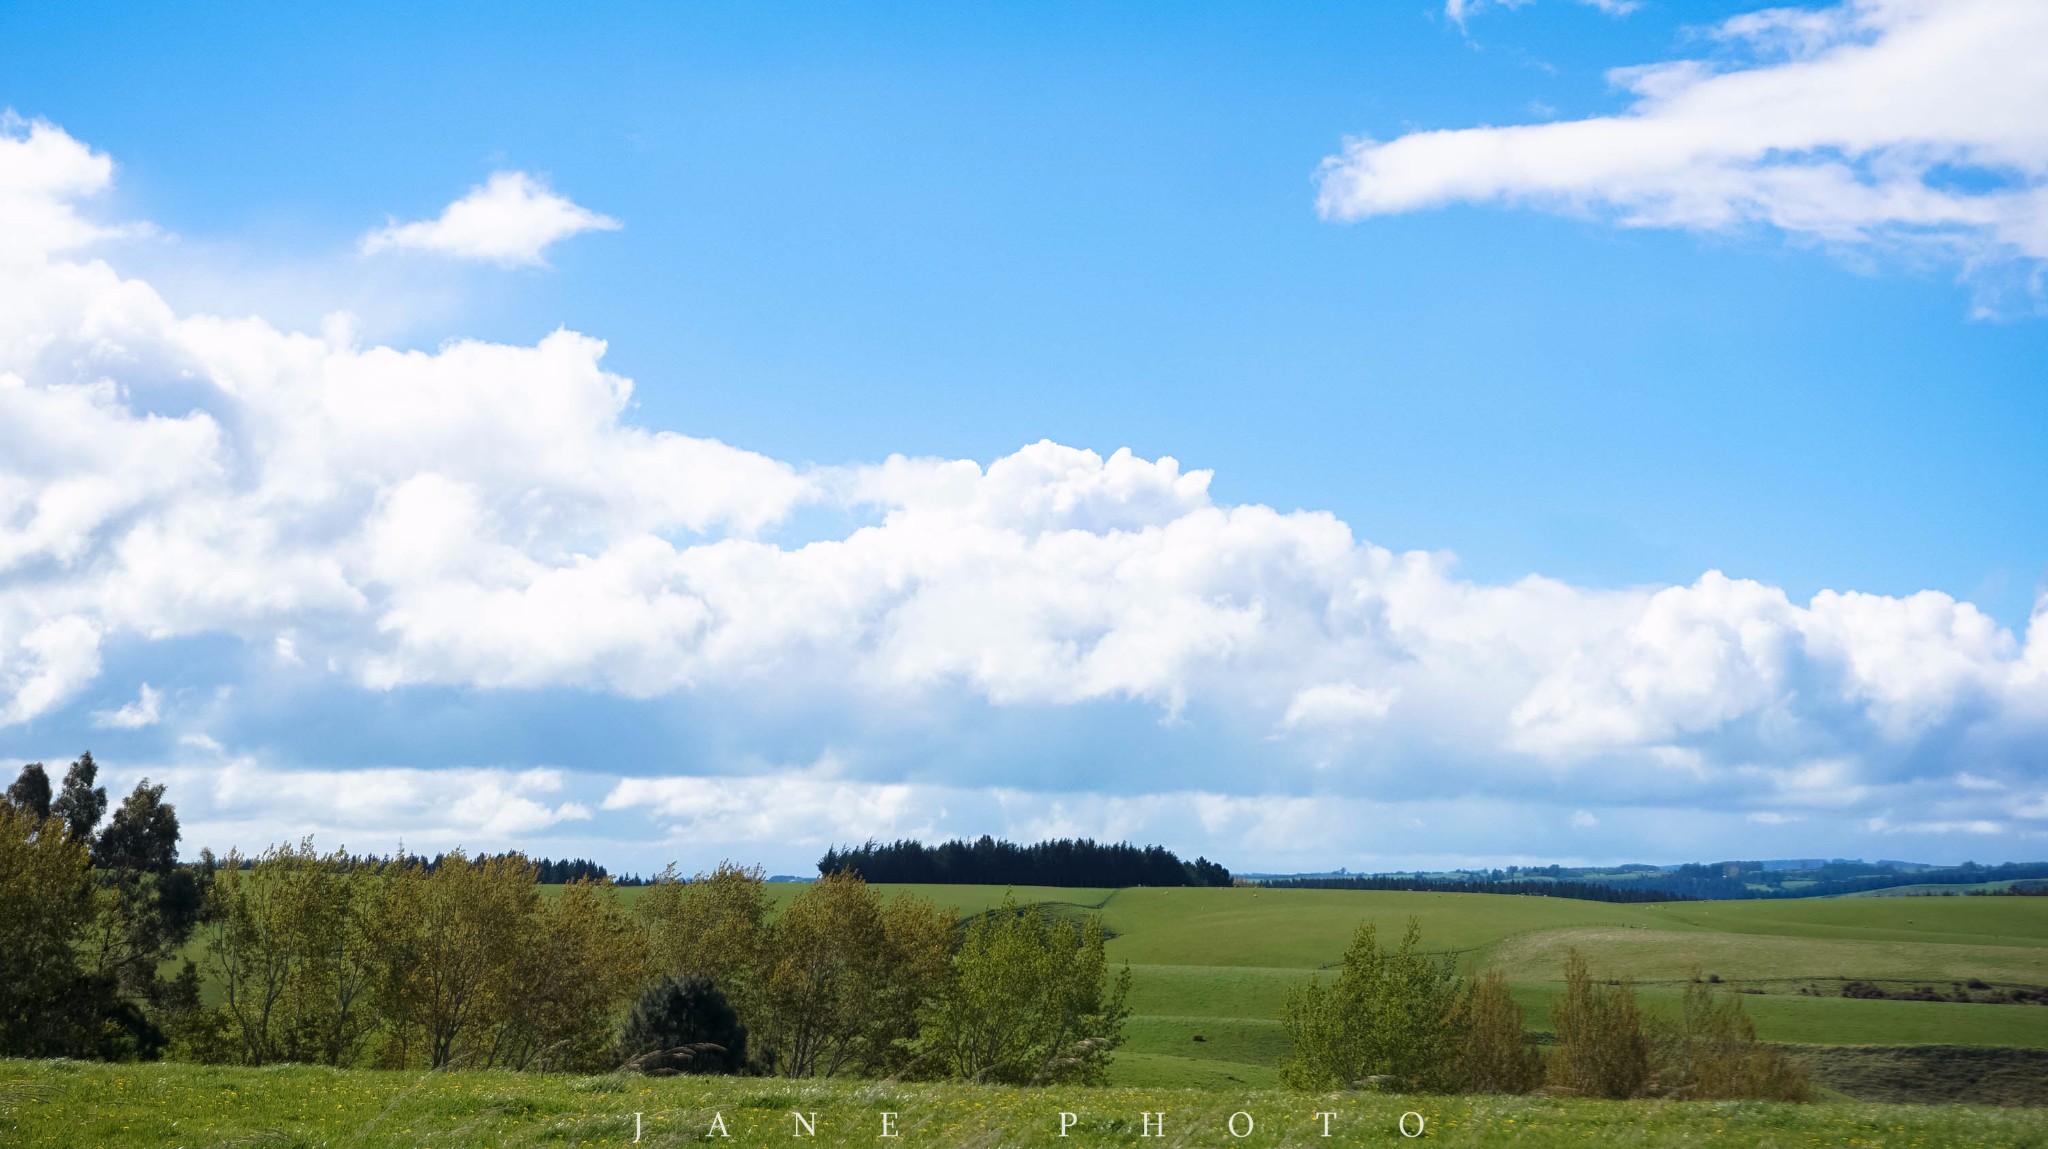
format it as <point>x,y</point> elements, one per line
<point>344,960</point>
<point>1408,1020</point>
<point>328,959</point>
<point>842,981</point>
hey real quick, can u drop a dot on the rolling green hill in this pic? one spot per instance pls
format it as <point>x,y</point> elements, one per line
<point>1215,964</point>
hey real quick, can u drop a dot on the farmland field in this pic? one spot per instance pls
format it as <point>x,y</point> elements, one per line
<point>1215,964</point>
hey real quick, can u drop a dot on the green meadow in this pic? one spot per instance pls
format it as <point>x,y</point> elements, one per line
<point>1211,967</point>
<point>70,1105</point>
<point>1210,971</point>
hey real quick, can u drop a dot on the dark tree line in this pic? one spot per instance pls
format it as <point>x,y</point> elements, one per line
<point>1583,891</point>
<point>1712,881</point>
<point>560,873</point>
<point>987,861</point>
<point>1956,875</point>
<point>547,871</point>
<point>1706,882</point>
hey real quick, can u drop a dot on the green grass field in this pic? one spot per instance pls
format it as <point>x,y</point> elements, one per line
<point>1217,963</point>
<point>65,1105</point>
<point>1210,969</point>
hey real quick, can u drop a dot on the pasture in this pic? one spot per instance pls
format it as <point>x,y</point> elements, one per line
<point>1217,963</point>
<point>69,1105</point>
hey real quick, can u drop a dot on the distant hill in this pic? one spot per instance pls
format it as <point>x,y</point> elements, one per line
<point>1715,881</point>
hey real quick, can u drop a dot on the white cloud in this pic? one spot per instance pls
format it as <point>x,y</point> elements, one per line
<point>146,710</point>
<point>1336,704</point>
<point>241,802</point>
<point>43,661</point>
<point>47,173</point>
<point>484,517</point>
<point>511,219</point>
<point>804,810</point>
<point>1909,124</point>
<point>786,816</point>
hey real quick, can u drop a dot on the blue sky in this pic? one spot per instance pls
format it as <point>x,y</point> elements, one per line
<point>847,234</point>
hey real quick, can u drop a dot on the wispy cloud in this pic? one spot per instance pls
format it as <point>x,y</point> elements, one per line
<point>1460,11</point>
<point>1890,125</point>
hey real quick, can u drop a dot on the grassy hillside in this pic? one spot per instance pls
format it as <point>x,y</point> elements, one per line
<point>62,1105</point>
<point>1217,963</point>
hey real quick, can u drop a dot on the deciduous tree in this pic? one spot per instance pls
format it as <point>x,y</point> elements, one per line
<point>1030,1001</point>
<point>289,941</point>
<point>1601,1048</point>
<point>45,903</point>
<point>1497,1056</point>
<point>1397,1016</point>
<point>576,974</point>
<point>448,943</point>
<point>714,924</point>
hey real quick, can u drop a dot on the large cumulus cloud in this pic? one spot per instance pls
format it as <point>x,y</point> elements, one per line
<point>487,516</point>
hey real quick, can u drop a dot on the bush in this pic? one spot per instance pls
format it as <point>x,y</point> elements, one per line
<point>1397,1016</point>
<point>1030,1002</point>
<point>684,1027</point>
<point>1712,1053</point>
<point>1497,1056</point>
<point>1601,1048</point>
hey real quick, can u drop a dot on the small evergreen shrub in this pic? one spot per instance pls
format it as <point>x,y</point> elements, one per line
<point>684,1026</point>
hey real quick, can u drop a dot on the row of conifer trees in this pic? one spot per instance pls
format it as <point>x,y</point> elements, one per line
<point>990,861</point>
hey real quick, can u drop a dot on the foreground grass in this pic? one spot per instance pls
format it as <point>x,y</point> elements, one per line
<point>62,1104</point>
